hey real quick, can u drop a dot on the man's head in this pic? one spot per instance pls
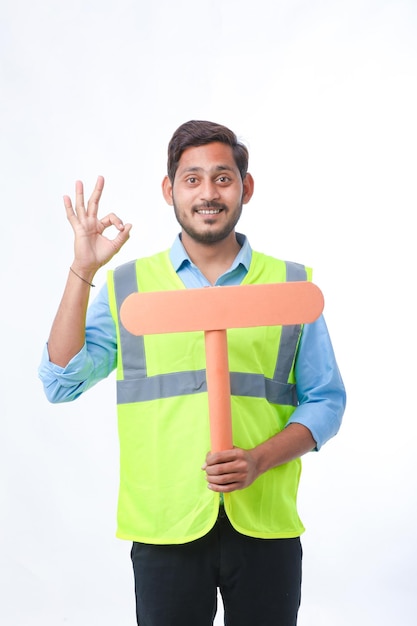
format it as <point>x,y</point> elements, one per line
<point>200,133</point>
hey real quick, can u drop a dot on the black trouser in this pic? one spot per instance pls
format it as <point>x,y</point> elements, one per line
<point>259,580</point>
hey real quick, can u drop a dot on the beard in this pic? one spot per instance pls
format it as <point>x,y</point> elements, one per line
<point>210,235</point>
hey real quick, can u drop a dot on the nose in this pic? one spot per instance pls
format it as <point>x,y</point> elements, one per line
<point>209,191</point>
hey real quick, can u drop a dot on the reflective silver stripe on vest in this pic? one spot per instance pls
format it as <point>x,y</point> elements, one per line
<point>289,336</point>
<point>137,386</point>
<point>133,352</point>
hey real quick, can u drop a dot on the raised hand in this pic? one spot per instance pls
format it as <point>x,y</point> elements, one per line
<point>91,248</point>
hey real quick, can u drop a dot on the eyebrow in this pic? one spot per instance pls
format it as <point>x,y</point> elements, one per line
<point>217,168</point>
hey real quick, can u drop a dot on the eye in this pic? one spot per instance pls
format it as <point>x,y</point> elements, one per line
<point>223,179</point>
<point>192,180</point>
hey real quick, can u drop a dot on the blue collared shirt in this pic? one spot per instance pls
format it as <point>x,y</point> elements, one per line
<point>320,389</point>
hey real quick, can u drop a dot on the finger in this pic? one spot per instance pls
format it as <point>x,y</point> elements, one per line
<point>112,220</point>
<point>68,205</point>
<point>224,487</point>
<point>79,198</point>
<point>224,461</point>
<point>92,206</point>
<point>224,479</point>
<point>71,216</point>
<point>221,469</point>
<point>224,456</point>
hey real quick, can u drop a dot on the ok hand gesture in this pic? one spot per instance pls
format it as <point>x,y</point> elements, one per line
<point>91,248</point>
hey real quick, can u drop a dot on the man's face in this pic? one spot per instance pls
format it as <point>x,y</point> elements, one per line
<point>208,192</point>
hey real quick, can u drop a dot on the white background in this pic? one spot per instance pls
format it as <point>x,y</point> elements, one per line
<point>325,95</point>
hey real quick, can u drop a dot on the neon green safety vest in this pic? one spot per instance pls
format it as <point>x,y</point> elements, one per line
<point>163,416</point>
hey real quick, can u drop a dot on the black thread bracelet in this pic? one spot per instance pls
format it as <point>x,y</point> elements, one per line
<point>81,278</point>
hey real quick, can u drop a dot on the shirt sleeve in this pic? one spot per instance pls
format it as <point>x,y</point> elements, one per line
<point>320,389</point>
<point>95,361</point>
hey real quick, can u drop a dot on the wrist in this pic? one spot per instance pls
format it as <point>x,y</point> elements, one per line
<point>85,276</point>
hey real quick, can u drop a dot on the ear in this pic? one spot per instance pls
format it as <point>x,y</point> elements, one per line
<point>167,190</point>
<point>248,188</point>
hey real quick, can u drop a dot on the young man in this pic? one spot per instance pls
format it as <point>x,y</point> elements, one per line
<point>199,521</point>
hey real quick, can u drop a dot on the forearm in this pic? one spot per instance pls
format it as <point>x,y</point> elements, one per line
<point>320,389</point>
<point>94,362</point>
<point>289,444</point>
<point>67,334</point>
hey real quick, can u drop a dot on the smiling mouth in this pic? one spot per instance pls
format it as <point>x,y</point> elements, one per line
<point>208,211</point>
<point>209,208</point>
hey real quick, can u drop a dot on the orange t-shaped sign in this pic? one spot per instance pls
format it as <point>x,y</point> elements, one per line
<point>214,310</point>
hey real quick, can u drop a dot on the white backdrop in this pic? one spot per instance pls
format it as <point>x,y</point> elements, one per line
<point>325,95</point>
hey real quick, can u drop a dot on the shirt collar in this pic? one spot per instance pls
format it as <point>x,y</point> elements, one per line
<point>179,256</point>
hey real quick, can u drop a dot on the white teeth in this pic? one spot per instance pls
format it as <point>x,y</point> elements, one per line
<point>208,211</point>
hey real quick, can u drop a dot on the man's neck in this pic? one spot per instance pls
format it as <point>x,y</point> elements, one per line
<point>212,259</point>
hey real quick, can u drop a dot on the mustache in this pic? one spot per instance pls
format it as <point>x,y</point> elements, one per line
<point>210,205</point>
